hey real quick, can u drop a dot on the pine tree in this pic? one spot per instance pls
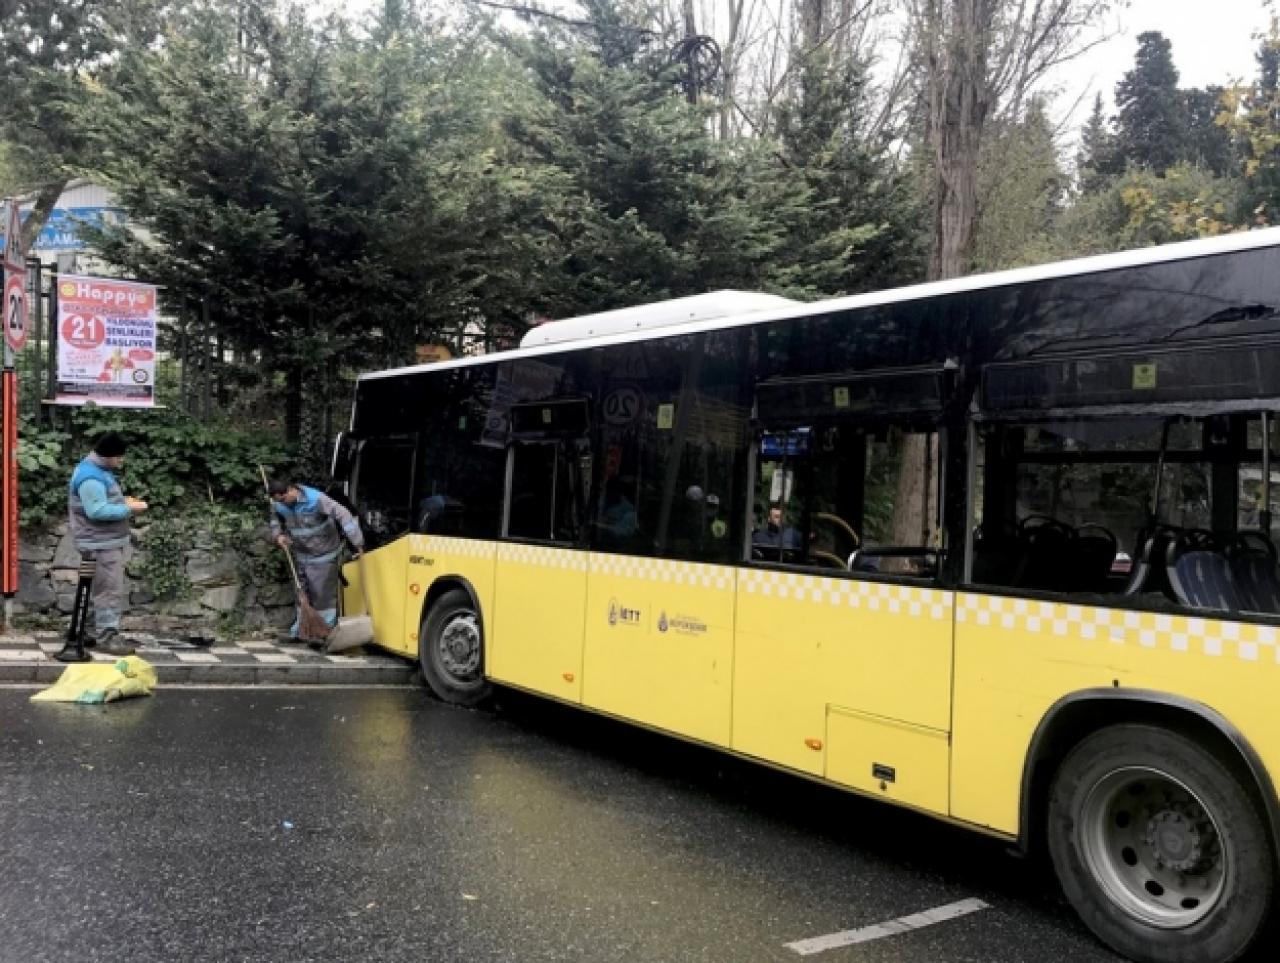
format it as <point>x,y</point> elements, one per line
<point>863,230</point>
<point>1096,159</point>
<point>1207,143</point>
<point>313,191</point>
<point>1022,186</point>
<point>1152,120</point>
<point>647,204</point>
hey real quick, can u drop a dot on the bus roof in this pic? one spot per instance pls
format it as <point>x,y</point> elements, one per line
<point>627,330</point>
<point>659,314</point>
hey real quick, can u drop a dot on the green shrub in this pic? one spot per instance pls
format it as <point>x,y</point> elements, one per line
<point>43,473</point>
<point>175,462</point>
<point>162,565</point>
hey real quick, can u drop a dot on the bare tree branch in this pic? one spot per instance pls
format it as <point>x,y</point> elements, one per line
<point>525,10</point>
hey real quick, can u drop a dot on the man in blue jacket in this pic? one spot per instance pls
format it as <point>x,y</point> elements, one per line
<point>312,525</point>
<point>99,514</point>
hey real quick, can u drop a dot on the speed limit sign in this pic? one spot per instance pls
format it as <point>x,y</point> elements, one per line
<point>15,311</point>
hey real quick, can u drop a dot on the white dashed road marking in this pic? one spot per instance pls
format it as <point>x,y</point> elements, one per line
<point>903,924</point>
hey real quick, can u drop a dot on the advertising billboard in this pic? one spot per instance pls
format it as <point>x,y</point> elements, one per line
<point>106,342</point>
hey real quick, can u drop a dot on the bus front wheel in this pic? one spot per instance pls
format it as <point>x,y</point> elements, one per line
<point>1160,847</point>
<point>451,650</point>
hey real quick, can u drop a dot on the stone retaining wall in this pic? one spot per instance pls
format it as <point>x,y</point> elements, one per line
<point>221,601</point>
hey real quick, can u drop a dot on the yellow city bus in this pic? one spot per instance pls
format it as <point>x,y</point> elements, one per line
<point>982,548</point>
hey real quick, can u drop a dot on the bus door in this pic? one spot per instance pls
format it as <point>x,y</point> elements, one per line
<point>843,649</point>
<point>659,638</point>
<point>381,487</point>
<point>540,580</point>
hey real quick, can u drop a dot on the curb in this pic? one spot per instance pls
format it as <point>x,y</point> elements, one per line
<point>30,659</point>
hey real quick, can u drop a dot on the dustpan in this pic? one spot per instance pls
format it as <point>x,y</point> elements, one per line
<point>353,630</point>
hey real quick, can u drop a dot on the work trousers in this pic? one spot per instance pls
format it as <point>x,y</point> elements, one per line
<point>320,584</point>
<point>108,588</point>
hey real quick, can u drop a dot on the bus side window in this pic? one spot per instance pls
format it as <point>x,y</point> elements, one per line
<point>1089,505</point>
<point>383,482</point>
<point>845,496</point>
<point>902,524</point>
<point>543,496</point>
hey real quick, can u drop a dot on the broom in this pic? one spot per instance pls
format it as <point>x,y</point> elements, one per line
<point>311,624</point>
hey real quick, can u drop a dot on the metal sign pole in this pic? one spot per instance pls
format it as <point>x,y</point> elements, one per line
<point>51,360</point>
<point>35,314</point>
<point>10,391</point>
<point>15,336</point>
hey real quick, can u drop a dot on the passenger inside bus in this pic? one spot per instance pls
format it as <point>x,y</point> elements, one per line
<point>440,515</point>
<point>616,515</point>
<point>775,533</point>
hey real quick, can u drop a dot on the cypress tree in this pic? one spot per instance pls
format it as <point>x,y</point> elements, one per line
<point>1208,144</point>
<point>1152,121</point>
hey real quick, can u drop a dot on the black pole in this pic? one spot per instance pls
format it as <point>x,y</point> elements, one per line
<point>206,364</point>
<point>184,360</point>
<point>51,360</point>
<point>35,273</point>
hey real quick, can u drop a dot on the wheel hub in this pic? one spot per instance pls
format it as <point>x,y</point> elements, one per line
<point>1176,841</point>
<point>460,646</point>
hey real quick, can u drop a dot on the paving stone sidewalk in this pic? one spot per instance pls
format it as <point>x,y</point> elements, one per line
<point>30,658</point>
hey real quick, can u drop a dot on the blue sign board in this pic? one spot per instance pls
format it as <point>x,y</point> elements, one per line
<point>779,444</point>
<point>59,233</point>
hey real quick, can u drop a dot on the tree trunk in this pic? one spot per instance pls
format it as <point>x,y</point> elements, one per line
<point>219,373</point>
<point>184,364</point>
<point>955,50</point>
<point>959,101</point>
<point>911,494</point>
<point>813,16</point>
<point>729,69</point>
<point>46,200</point>
<point>206,363</point>
<point>293,403</point>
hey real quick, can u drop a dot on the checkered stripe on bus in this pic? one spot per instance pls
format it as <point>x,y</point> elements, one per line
<point>848,593</point>
<point>1149,630</point>
<point>714,577</point>
<point>451,546</point>
<point>543,556</point>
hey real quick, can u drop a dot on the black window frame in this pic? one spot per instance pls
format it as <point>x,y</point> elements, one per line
<point>937,385</point>
<point>408,441</point>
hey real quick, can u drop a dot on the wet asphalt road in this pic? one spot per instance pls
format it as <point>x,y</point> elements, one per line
<point>313,824</point>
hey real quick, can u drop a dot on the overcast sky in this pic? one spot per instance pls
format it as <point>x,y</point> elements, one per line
<point>1213,43</point>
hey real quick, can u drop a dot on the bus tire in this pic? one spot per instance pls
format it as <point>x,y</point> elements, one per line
<point>1160,847</point>
<point>451,650</point>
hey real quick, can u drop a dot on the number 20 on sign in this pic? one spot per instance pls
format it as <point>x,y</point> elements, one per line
<point>15,311</point>
<point>15,273</point>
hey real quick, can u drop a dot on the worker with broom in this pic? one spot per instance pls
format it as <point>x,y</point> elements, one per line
<point>312,525</point>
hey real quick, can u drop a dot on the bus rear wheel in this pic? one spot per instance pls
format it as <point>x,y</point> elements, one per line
<point>1160,847</point>
<point>451,650</point>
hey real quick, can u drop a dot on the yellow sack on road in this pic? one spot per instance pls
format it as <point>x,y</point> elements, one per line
<point>97,682</point>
